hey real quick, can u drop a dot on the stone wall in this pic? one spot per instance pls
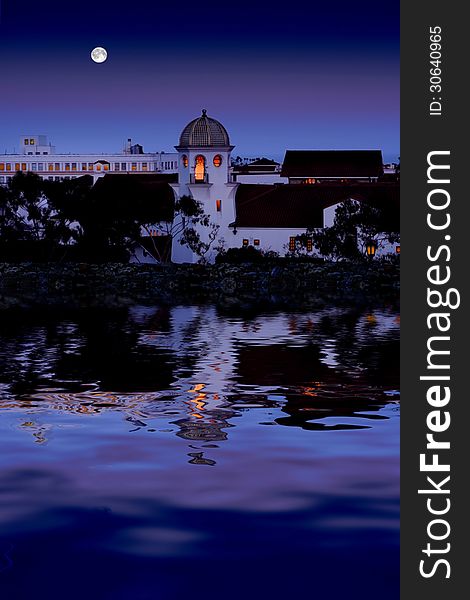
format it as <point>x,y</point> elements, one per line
<point>116,283</point>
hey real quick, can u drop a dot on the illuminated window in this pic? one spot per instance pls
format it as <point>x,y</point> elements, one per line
<point>31,142</point>
<point>74,166</point>
<point>397,249</point>
<point>217,160</point>
<point>106,167</point>
<point>292,244</point>
<point>17,166</point>
<point>90,166</point>
<point>83,166</point>
<point>57,166</point>
<point>134,167</point>
<point>23,166</point>
<point>67,166</point>
<point>310,180</point>
<point>50,167</point>
<point>26,142</point>
<point>256,242</point>
<point>2,166</point>
<point>8,167</point>
<point>184,160</point>
<point>199,169</point>
<point>309,244</point>
<point>98,167</point>
<point>246,242</point>
<point>218,205</point>
<point>144,167</point>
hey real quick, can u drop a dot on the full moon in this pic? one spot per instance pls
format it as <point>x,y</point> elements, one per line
<point>99,55</point>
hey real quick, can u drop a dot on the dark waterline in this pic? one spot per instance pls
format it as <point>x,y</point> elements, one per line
<point>171,452</point>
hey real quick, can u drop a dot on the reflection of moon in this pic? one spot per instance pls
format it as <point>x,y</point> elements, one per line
<point>99,55</point>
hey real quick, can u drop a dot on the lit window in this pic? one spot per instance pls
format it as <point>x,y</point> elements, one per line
<point>74,166</point>
<point>144,167</point>
<point>309,244</point>
<point>218,205</point>
<point>246,242</point>
<point>256,242</point>
<point>17,166</point>
<point>26,142</point>
<point>217,160</point>
<point>57,166</point>
<point>31,142</point>
<point>106,167</point>
<point>134,167</point>
<point>397,249</point>
<point>199,168</point>
<point>2,166</point>
<point>310,180</point>
<point>83,166</point>
<point>23,166</point>
<point>98,167</point>
<point>8,167</point>
<point>292,244</point>
<point>50,167</point>
<point>90,166</point>
<point>67,166</point>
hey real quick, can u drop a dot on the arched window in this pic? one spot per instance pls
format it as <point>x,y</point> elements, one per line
<point>217,160</point>
<point>199,169</point>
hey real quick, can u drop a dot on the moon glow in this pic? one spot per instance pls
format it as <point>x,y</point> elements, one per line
<point>99,55</point>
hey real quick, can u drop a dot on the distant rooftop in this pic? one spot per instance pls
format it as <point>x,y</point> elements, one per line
<point>332,163</point>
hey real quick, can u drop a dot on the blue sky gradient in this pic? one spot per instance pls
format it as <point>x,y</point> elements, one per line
<point>310,75</point>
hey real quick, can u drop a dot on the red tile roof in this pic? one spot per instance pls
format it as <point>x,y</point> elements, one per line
<point>301,206</point>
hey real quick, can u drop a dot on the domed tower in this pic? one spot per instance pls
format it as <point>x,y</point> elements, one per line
<point>204,171</point>
<point>204,152</point>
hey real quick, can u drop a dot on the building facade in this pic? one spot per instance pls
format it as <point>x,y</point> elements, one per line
<point>38,156</point>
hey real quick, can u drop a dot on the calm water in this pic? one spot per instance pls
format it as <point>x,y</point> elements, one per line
<point>170,453</point>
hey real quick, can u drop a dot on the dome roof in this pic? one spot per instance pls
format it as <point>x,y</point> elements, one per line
<point>204,132</point>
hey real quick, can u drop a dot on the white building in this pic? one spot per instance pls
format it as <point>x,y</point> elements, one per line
<point>264,205</point>
<point>270,217</point>
<point>39,156</point>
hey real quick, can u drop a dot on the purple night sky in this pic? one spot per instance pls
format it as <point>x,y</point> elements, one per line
<point>320,76</point>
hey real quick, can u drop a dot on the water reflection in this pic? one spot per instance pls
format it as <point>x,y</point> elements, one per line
<point>199,370</point>
<point>150,445</point>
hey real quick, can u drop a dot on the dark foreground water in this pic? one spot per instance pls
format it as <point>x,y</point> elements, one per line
<point>173,453</point>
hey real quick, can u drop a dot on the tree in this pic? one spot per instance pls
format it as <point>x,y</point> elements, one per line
<point>37,210</point>
<point>355,224</point>
<point>188,216</point>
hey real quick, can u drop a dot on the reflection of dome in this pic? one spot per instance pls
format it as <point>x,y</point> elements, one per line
<point>204,132</point>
